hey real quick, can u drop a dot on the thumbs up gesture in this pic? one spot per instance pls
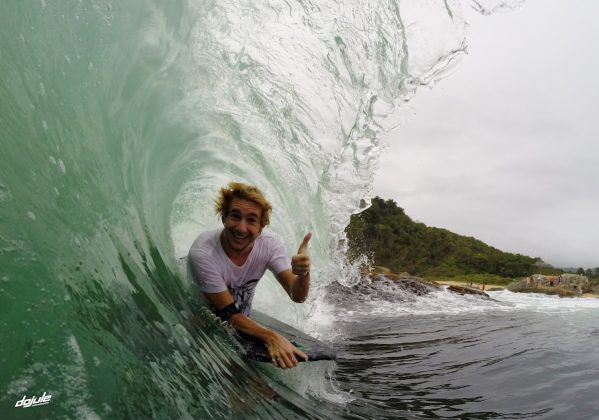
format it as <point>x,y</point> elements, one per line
<point>300,263</point>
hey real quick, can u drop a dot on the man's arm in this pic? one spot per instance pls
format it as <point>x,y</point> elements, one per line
<point>296,281</point>
<point>280,349</point>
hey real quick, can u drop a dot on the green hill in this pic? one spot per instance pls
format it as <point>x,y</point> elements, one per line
<point>390,238</point>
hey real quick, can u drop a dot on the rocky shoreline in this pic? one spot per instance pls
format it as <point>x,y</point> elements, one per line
<point>417,286</point>
<point>570,285</point>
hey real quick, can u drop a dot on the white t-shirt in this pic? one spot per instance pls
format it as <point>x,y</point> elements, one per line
<point>215,272</point>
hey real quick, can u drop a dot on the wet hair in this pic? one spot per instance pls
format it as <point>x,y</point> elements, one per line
<point>244,192</point>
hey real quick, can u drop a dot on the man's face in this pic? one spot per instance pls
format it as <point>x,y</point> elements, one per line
<point>242,225</point>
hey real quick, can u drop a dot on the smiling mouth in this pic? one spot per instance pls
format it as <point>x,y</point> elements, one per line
<point>239,237</point>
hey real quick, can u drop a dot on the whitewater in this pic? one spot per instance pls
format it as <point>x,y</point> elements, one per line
<point>119,122</point>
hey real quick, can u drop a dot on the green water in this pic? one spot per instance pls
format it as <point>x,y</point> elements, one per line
<point>118,123</point>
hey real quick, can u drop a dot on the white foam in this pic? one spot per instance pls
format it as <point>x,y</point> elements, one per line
<point>447,303</point>
<point>536,302</point>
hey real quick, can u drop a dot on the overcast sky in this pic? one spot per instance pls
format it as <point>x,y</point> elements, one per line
<point>506,147</point>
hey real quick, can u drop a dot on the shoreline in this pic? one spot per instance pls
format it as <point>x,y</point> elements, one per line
<point>477,286</point>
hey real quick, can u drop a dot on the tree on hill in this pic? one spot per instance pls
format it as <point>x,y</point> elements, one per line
<point>392,239</point>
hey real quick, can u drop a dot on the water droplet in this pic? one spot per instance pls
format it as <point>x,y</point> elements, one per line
<point>45,125</point>
<point>4,192</point>
<point>90,66</point>
<point>42,89</point>
<point>52,160</point>
<point>31,216</point>
<point>66,57</point>
<point>44,5</point>
<point>62,167</point>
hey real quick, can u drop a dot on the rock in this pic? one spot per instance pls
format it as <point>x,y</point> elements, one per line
<point>567,283</point>
<point>416,285</point>
<point>381,283</point>
<point>379,269</point>
<point>463,290</point>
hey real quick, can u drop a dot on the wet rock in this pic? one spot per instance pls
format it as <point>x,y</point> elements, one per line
<point>416,285</point>
<point>464,290</point>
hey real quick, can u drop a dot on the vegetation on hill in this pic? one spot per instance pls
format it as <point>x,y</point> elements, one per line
<point>390,238</point>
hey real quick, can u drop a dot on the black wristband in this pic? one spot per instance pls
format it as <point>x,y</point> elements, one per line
<point>228,311</point>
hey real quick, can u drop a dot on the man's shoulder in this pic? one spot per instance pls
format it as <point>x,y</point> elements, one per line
<point>269,238</point>
<point>270,244</point>
<point>205,243</point>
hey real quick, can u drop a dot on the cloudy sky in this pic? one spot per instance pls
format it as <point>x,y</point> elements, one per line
<point>506,147</point>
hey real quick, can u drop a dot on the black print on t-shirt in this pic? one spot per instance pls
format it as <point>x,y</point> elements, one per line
<point>243,295</point>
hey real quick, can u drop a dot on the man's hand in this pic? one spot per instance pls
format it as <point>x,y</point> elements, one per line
<point>283,352</point>
<point>296,281</point>
<point>300,263</point>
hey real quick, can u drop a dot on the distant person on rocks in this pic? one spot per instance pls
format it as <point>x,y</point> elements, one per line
<point>228,263</point>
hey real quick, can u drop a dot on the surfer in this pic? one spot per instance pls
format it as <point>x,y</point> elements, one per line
<point>227,264</point>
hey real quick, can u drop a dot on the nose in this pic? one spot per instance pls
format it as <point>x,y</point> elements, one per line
<point>242,226</point>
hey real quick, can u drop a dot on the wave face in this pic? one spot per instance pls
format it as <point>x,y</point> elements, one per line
<point>119,121</point>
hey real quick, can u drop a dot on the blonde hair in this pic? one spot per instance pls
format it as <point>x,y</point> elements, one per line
<point>245,192</point>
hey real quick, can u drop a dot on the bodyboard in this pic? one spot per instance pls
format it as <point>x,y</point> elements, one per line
<point>256,350</point>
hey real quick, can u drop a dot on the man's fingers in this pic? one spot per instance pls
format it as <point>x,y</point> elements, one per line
<point>280,362</point>
<point>300,263</point>
<point>285,362</point>
<point>289,360</point>
<point>300,267</point>
<point>303,248</point>
<point>301,354</point>
<point>283,353</point>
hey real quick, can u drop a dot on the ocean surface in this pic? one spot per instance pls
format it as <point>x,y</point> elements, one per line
<point>449,356</point>
<point>119,121</point>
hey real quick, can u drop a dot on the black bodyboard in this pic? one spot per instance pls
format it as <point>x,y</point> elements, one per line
<point>256,350</point>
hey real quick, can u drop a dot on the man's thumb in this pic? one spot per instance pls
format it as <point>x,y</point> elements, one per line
<point>303,248</point>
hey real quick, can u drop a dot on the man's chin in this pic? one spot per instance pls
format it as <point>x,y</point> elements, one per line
<point>239,245</point>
